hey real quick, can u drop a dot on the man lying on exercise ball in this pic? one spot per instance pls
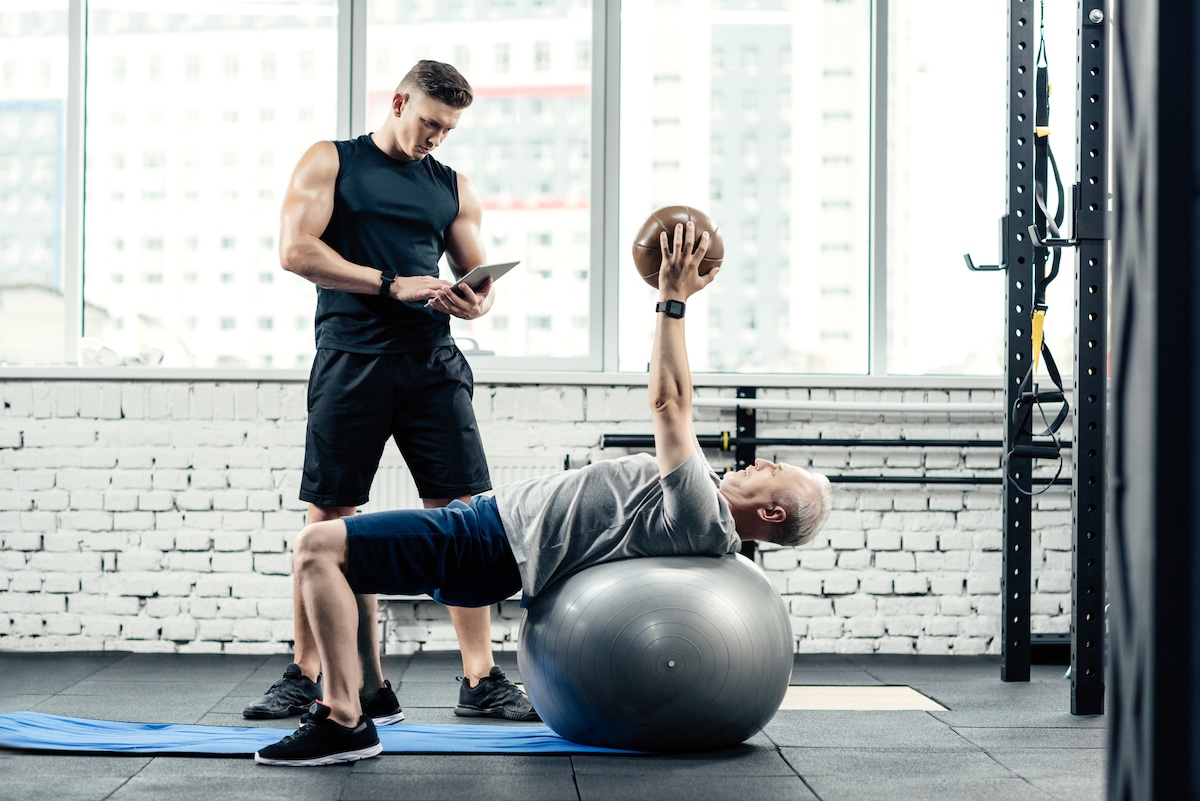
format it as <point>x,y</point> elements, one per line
<point>526,535</point>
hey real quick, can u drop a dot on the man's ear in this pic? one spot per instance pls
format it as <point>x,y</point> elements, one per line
<point>399,101</point>
<point>772,514</point>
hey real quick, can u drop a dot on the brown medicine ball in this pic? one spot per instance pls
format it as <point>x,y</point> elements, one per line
<point>647,254</point>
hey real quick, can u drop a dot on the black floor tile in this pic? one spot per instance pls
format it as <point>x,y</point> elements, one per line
<point>895,763</point>
<point>1034,763</point>
<point>134,709</point>
<point>828,669</point>
<point>59,788</point>
<point>16,703</point>
<point>482,764</point>
<point>998,740</point>
<point>745,760</point>
<point>1071,787</point>
<point>673,787</point>
<point>942,787</point>
<point>465,784</point>
<point>866,730</point>
<point>265,784</point>
<point>198,668</point>
<point>37,674</point>
<point>438,694</point>
<point>1035,737</point>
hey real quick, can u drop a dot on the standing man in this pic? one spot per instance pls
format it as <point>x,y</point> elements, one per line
<point>367,220</point>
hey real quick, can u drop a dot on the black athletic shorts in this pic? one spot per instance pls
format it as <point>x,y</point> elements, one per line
<point>422,400</point>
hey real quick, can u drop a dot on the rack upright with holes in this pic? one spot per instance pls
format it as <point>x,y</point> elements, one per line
<point>1029,233</point>
<point>1092,231</point>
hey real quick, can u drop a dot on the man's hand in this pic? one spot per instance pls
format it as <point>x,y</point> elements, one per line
<point>679,276</point>
<point>459,300</point>
<point>417,287</point>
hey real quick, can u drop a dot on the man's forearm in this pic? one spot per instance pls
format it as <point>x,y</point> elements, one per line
<point>670,380</point>
<point>312,259</point>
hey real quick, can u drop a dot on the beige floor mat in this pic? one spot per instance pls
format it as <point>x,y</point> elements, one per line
<point>886,698</point>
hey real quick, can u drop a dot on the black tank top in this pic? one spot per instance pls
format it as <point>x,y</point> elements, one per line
<point>391,215</point>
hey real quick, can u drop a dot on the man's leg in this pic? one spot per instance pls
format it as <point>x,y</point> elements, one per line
<point>295,692</point>
<point>368,619</point>
<point>368,642</point>
<point>485,691</point>
<point>376,695</point>
<point>337,730</point>
<point>473,627</point>
<point>331,615</point>
<point>306,655</point>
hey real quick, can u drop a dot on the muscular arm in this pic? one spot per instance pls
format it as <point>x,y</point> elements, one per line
<point>307,208</point>
<point>670,382</point>
<point>465,252</point>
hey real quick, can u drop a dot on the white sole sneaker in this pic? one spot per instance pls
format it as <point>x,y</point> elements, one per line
<point>329,759</point>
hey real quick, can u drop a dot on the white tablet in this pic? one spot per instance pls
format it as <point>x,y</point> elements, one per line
<point>476,277</point>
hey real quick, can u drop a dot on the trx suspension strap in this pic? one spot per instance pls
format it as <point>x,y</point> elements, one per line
<point>1043,160</point>
<point>1045,268</point>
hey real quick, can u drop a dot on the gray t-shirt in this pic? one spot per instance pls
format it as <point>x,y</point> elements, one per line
<point>613,509</point>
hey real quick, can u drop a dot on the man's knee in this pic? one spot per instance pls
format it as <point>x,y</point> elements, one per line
<point>320,545</point>
<point>318,512</point>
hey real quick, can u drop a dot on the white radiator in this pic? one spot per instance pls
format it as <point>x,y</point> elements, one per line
<point>394,488</point>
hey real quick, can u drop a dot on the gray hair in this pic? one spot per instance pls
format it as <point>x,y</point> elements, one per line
<point>804,516</point>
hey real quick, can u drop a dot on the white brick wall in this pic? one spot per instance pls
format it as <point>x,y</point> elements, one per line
<point>159,516</point>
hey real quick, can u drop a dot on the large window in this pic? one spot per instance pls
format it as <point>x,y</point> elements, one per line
<point>33,118</point>
<point>758,114</point>
<point>526,144</point>
<point>848,172</point>
<point>195,120</point>
<point>946,133</point>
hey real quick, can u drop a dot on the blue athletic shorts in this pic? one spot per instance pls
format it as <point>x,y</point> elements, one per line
<point>457,554</point>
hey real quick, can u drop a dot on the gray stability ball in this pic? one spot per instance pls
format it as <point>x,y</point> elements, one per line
<point>671,653</point>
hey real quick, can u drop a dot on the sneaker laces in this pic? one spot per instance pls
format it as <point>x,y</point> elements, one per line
<point>278,684</point>
<point>286,678</point>
<point>306,725</point>
<point>498,688</point>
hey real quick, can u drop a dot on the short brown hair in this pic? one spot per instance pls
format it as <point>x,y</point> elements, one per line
<point>439,81</point>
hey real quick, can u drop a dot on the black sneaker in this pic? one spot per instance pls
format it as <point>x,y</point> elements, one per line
<point>320,741</point>
<point>494,697</point>
<point>381,706</point>
<point>291,695</point>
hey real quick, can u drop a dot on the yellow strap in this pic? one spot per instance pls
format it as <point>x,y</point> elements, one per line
<point>1039,319</point>
<point>1041,130</point>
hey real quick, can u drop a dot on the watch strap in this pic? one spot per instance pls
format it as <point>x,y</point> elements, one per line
<point>671,308</point>
<point>385,283</point>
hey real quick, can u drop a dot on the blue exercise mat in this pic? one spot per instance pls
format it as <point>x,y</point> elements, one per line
<point>34,731</point>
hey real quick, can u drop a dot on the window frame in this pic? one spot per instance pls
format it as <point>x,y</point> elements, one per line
<point>600,365</point>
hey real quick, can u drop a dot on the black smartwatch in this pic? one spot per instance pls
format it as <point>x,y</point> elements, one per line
<point>671,308</point>
<point>385,286</point>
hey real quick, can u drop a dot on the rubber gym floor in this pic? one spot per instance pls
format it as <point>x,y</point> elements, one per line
<point>989,740</point>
